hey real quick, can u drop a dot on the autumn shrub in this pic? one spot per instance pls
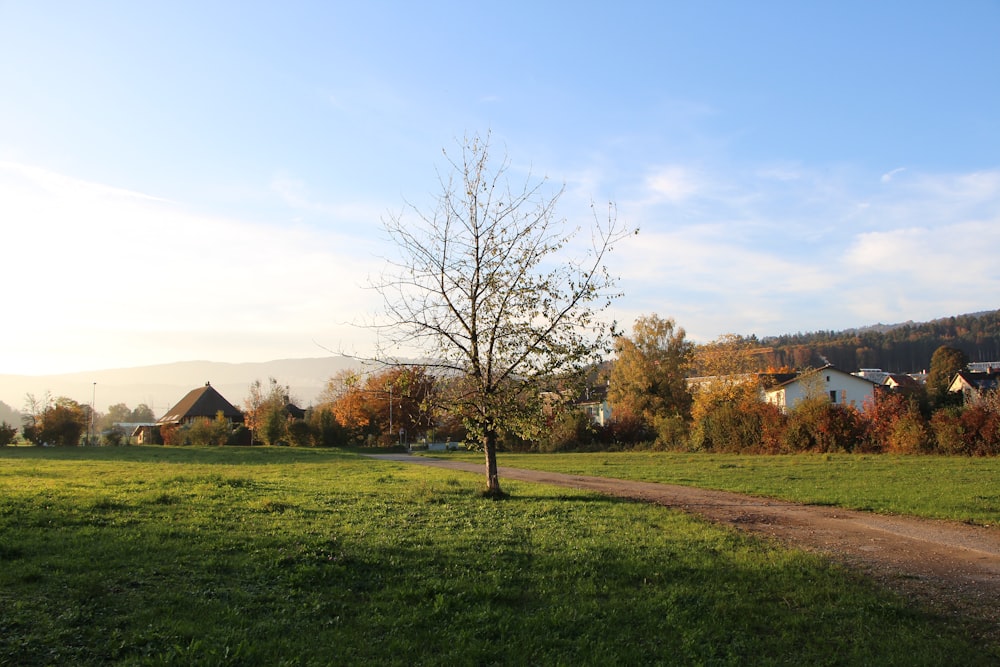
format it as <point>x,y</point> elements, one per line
<point>241,436</point>
<point>878,417</point>
<point>571,429</point>
<point>114,436</point>
<point>326,430</point>
<point>981,427</point>
<point>299,434</point>
<point>816,425</point>
<point>508,441</point>
<point>989,430</point>
<point>61,424</point>
<point>672,433</point>
<point>204,431</point>
<point>894,423</point>
<point>748,426</point>
<point>972,431</point>
<point>8,434</point>
<point>773,423</point>
<point>948,431</point>
<point>720,429</point>
<point>626,430</point>
<point>171,435</point>
<point>910,435</point>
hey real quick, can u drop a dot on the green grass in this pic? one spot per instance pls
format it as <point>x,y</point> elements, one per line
<point>153,556</point>
<point>956,488</point>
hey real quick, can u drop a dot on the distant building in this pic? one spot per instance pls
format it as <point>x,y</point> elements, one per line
<point>876,375</point>
<point>293,411</point>
<point>202,402</point>
<point>983,366</point>
<point>595,403</point>
<point>973,384</point>
<point>902,383</point>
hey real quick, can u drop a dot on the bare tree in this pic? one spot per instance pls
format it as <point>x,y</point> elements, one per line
<point>481,289</point>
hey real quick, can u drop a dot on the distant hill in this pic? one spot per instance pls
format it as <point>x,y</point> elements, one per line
<point>161,386</point>
<point>9,414</point>
<point>896,348</point>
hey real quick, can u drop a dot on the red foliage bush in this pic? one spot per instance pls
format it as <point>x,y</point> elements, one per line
<point>893,423</point>
<point>821,426</point>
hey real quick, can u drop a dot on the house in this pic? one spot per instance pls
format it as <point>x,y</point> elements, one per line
<point>293,411</point>
<point>841,387</point>
<point>593,401</point>
<point>146,434</point>
<point>901,383</point>
<point>973,384</point>
<point>135,431</point>
<point>201,402</point>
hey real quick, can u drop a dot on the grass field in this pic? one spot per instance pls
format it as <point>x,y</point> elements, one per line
<point>957,488</point>
<point>273,556</point>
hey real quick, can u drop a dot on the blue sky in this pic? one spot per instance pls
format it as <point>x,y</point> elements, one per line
<point>206,180</point>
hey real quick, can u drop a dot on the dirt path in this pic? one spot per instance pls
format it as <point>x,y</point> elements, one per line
<point>953,568</point>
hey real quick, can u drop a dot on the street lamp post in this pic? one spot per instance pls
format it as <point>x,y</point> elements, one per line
<point>93,401</point>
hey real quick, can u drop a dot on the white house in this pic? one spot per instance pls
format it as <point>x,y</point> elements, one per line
<point>974,384</point>
<point>841,387</point>
<point>599,411</point>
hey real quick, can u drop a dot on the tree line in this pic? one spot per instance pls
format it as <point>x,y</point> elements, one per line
<point>902,348</point>
<point>48,420</point>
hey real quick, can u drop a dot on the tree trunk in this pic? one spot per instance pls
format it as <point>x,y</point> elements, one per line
<point>493,489</point>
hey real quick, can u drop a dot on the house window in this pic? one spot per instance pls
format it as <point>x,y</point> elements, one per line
<point>833,396</point>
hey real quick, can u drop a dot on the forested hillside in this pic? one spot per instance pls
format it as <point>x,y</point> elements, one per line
<point>901,348</point>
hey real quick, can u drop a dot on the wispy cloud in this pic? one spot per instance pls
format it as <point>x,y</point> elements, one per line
<point>889,175</point>
<point>349,214</point>
<point>672,183</point>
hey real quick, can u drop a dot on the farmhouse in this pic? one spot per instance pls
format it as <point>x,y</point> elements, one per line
<point>841,387</point>
<point>293,411</point>
<point>201,402</point>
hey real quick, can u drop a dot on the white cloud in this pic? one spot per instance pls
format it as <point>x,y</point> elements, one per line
<point>888,176</point>
<point>674,184</point>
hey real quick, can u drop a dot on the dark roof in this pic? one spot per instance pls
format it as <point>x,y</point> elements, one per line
<point>903,381</point>
<point>768,380</point>
<point>201,402</point>
<point>981,380</point>
<point>294,411</point>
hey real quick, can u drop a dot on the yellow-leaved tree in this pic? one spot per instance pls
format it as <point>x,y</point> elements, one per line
<point>649,377</point>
